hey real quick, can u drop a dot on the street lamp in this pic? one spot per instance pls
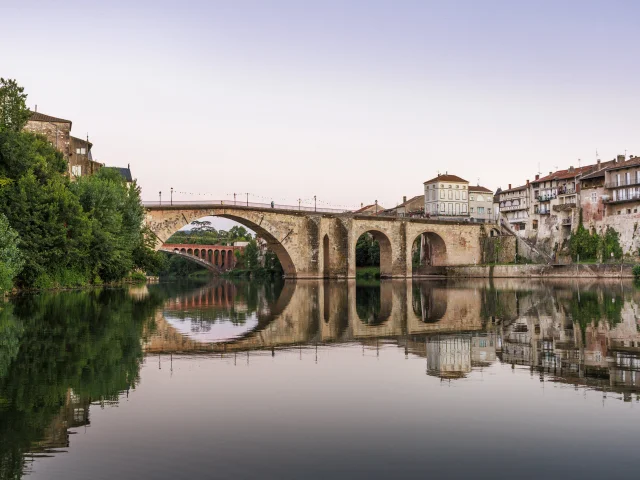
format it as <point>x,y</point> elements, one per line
<point>376,207</point>
<point>315,207</point>
<point>171,195</point>
<point>160,195</point>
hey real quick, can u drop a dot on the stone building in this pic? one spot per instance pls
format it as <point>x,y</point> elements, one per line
<point>414,207</point>
<point>514,206</point>
<point>76,152</point>
<point>446,195</point>
<point>373,209</point>
<point>481,203</point>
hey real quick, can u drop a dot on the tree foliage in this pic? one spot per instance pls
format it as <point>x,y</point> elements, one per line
<point>367,251</point>
<point>13,106</point>
<point>70,234</point>
<point>10,257</point>
<point>203,233</point>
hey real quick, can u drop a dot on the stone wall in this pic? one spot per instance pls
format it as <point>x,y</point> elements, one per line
<point>558,271</point>
<point>501,249</point>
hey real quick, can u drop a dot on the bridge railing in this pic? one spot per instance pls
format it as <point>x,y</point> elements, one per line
<point>239,203</point>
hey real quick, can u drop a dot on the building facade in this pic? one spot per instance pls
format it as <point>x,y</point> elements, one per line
<point>514,206</point>
<point>446,195</point>
<point>481,203</point>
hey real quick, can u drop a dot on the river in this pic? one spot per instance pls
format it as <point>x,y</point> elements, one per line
<point>312,379</point>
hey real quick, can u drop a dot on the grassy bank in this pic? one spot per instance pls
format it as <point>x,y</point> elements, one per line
<point>368,273</point>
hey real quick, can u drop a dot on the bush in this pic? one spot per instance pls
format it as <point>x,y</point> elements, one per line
<point>636,272</point>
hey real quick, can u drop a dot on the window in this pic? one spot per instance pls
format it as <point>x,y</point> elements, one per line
<point>450,195</point>
<point>464,195</point>
<point>594,197</point>
<point>628,177</point>
<point>471,197</point>
<point>535,224</point>
<point>81,151</point>
<point>457,195</point>
<point>76,170</point>
<point>480,198</point>
<point>464,208</point>
<point>457,186</point>
<point>441,193</point>
<point>480,209</point>
<point>471,209</point>
<point>628,210</point>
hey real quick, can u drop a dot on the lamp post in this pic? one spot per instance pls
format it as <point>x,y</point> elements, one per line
<point>160,195</point>
<point>171,195</point>
<point>376,207</point>
<point>299,202</point>
<point>315,206</point>
<point>247,199</point>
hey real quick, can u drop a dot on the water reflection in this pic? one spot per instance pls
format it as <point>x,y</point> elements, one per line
<point>62,355</point>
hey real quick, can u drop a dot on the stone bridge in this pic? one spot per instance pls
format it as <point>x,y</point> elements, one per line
<point>323,244</point>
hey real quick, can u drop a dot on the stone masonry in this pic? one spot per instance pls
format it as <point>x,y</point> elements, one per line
<point>321,245</point>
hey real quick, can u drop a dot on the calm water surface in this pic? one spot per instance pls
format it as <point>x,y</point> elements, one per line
<point>472,379</point>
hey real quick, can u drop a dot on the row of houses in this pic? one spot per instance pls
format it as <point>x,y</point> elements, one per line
<point>548,209</point>
<point>76,151</point>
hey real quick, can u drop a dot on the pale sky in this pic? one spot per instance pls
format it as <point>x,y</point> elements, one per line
<point>351,101</point>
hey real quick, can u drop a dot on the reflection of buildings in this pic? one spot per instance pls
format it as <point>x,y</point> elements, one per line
<point>74,414</point>
<point>449,356</point>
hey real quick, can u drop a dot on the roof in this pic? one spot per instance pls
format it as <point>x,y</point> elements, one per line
<point>41,117</point>
<point>125,172</point>
<point>369,207</point>
<point>596,174</point>
<point>447,178</point>
<point>514,189</point>
<point>81,140</point>
<point>565,174</point>
<point>413,199</point>
<point>478,188</point>
<point>632,162</point>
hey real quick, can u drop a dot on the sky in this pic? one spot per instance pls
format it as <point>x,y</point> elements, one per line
<point>351,101</point>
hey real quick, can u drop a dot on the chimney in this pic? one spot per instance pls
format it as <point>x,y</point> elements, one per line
<point>550,173</point>
<point>404,199</point>
<point>537,177</point>
<point>509,187</point>
<point>361,204</point>
<point>36,108</point>
<point>620,158</point>
<point>571,168</point>
<point>598,164</point>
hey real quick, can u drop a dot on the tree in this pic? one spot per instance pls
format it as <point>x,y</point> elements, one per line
<point>10,257</point>
<point>251,255</point>
<point>13,106</point>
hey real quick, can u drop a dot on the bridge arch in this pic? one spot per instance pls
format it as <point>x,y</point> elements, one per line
<point>386,257</point>
<point>428,249</point>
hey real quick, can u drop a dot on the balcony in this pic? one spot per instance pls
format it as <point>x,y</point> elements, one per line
<point>564,207</point>
<point>566,191</point>
<point>634,197</point>
<point>546,198</point>
<point>511,208</point>
<point>544,211</point>
<point>622,183</point>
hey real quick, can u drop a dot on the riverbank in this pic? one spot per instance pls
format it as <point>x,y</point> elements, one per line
<point>538,271</point>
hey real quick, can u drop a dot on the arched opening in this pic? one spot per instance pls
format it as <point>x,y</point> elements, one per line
<point>216,258</point>
<point>373,255</point>
<point>374,301</point>
<point>230,258</point>
<point>325,257</point>
<point>189,251</point>
<point>210,255</point>
<point>196,252</point>
<point>223,258</point>
<point>494,232</point>
<point>428,251</point>
<point>183,251</point>
<point>429,301</point>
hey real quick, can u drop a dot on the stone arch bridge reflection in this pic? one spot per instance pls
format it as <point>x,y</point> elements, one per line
<point>328,311</point>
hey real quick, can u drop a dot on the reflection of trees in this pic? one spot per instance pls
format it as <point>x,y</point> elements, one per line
<point>89,342</point>
<point>429,303</point>
<point>368,304</point>
<point>589,308</point>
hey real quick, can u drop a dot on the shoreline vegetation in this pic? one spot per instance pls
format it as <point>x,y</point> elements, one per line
<point>59,233</point>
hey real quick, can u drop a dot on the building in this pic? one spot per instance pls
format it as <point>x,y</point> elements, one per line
<point>76,152</point>
<point>481,203</point>
<point>373,209</point>
<point>622,186</point>
<point>514,206</point>
<point>414,207</point>
<point>446,195</point>
<point>126,174</point>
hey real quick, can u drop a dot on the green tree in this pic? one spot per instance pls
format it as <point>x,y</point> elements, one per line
<point>610,245</point>
<point>13,106</point>
<point>10,257</point>
<point>251,255</point>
